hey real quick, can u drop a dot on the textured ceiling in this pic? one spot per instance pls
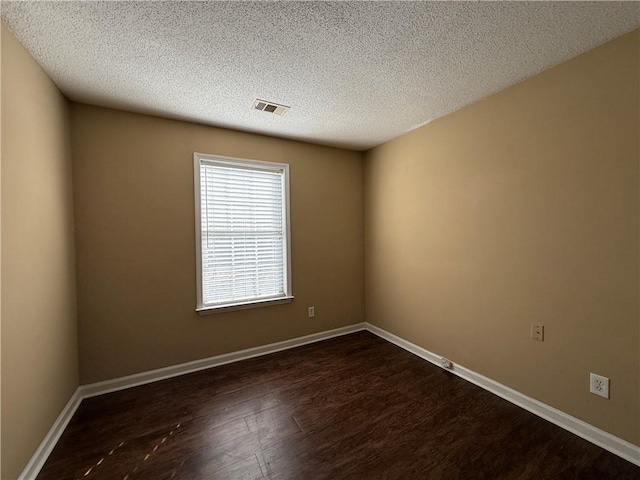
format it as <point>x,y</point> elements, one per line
<point>354,73</point>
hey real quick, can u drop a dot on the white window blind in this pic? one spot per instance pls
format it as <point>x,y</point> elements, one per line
<point>243,231</point>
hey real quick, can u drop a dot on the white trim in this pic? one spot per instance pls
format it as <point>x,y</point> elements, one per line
<point>230,307</point>
<point>605,440</point>
<point>137,379</point>
<point>51,439</point>
<point>198,231</point>
<point>609,442</point>
<point>86,391</point>
<point>249,164</point>
<point>286,238</point>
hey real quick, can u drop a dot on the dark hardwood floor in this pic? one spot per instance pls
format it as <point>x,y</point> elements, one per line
<point>353,407</point>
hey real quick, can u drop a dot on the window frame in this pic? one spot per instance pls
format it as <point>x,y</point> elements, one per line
<point>250,164</point>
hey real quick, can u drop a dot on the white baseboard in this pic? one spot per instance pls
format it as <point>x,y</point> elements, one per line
<point>137,379</point>
<point>605,440</point>
<point>85,391</point>
<point>55,432</point>
<point>609,442</point>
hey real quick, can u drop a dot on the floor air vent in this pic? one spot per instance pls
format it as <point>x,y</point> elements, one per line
<point>270,107</point>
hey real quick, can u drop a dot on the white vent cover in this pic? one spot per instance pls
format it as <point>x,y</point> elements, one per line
<point>270,107</point>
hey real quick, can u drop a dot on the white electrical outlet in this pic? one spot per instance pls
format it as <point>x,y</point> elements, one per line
<point>537,332</point>
<point>312,312</point>
<point>599,385</point>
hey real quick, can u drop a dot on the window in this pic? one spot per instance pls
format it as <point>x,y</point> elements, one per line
<point>242,232</point>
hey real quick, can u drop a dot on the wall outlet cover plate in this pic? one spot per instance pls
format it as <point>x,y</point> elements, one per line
<point>599,385</point>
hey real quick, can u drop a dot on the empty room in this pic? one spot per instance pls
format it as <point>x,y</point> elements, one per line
<point>320,240</point>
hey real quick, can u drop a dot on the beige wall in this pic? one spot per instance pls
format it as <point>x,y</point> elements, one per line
<point>39,339</point>
<point>521,208</point>
<point>134,214</point>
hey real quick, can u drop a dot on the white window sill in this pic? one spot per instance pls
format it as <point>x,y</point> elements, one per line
<point>243,305</point>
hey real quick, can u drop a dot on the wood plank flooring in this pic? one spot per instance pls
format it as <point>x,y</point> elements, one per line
<point>353,407</point>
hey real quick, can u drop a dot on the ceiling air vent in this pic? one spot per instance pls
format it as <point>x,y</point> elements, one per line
<point>270,107</point>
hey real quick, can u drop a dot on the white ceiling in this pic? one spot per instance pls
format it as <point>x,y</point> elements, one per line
<point>355,74</point>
